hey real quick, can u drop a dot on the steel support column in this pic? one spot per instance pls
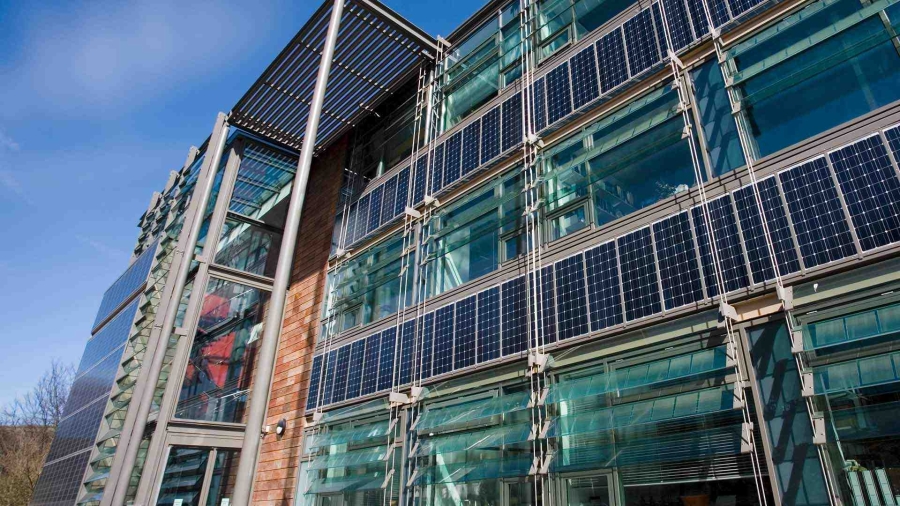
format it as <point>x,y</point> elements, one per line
<point>259,397</point>
<point>145,395</point>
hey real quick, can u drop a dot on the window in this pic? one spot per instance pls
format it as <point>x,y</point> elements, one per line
<point>631,159</point>
<point>186,477</point>
<point>816,69</point>
<point>385,138</point>
<point>563,21</point>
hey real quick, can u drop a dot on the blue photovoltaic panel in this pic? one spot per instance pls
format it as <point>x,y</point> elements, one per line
<point>407,343</point>
<point>754,233</point>
<point>437,169</point>
<point>110,337</point>
<point>464,349</point>
<point>471,148</point>
<point>539,107</point>
<point>421,179</point>
<point>370,367</point>
<point>130,280</point>
<point>386,361</point>
<point>512,122</point>
<point>350,233</point>
<point>77,432</point>
<point>328,377</point>
<point>678,271</point>
<point>611,55</point>
<point>94,383</point>
<point>585,86</point>
<point>739,7</point>
<point>402,192</point>
<point>559,93</point>
<point>312,395</point>
<point>341,370</point>
<point>893,138</point>
<point>817,214</point>
<point>545,286</point>
<point>60,482</point>
<point>514,316</point>
<point>660,31</point>
<point>489,324</point>
<point>490,135</point>
<point>678,22</point>
<point>719,12</point>
<point>640,41</point>
<point>362,220</point>
<point>357,356</point>
<point>426,342</point>
<point>698,17</point>
<point>728,245</point>
<point>452,158</point>
<point>443,341</point>
<point>639,283</point>
<point>375,206</point>
<point>571,297</point>
<point>388,204</point>
<point>871,190</point>
<point>603,286</point>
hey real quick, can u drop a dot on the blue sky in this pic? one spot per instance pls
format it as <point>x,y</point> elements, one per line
<point>99,101</point>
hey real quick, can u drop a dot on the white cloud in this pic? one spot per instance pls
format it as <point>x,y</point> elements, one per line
<point>7,142</point>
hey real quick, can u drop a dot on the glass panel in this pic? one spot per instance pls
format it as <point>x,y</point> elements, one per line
<point>474,493</point>
<point>567,223</point>
<point>350,459</point>
<point>183,478</point>
<point>875,323</point>
<point>221,485</point>
<point>472,411</point>
<point>473,467</point>
<point>217,378</point>
<point>482,439</point>
<point>367,432</point>
<point>864,372</point>
<point>246,247</point>
<point>588,491</point>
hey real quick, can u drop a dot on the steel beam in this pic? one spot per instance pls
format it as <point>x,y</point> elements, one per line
<point>268,349</point>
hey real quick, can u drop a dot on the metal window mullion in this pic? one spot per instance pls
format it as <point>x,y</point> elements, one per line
<point>695,114</point>
<point>847,217</point>
<point>223,201</point>
<point>207,476</point>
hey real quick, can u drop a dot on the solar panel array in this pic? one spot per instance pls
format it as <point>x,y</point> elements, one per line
<point>127,284</point>
<point>617,58</point>
<point>379,208</point>
<point>728,244</point>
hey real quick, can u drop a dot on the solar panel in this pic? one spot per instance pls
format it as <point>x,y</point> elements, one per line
<point>490,135</point>
<point>452,158</point>
<point>388,203</point>
<point>443,340</point>
<point>871,190</point>
<point>893,138</point>
<point>402,192</point>
<point>639,281</point>
<point>585,85</point>
<point>571,297</point>
<point>464,350</point>
<point>604,296</point>
<point>312,395</point>
<point>351,224</point>
<point>342,367</point>
<point>544,285</point>
<point>421,180</point>
<point>678,23</point>
<point>698,18</point>
<point>357,355</point>
<point>718,10</point>
<point>386,361</point>
<point>611,55</point>
<point>375,208</point>
<point>539,107</point>
<point>754,234</point>
<point>514,317</point>
<point>739,7</point>
<point>328,377</point>
<point>370,367</point>
<point>779,226</point>
<point>489,324</point>
<point>559,93</point>
<point>407,343</point>
<point>640,42</point>
<point>437,169</point>
<point>816,212</point>
<point>728,245</point>
<point>362,220</point>
<point>660,31</point>
<point>678,271</point>
<point>512,122</point>
<point>426,338</point>
<point>470,148</point>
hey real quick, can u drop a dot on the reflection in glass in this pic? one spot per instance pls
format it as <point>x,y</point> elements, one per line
<point>224,474</point>
<point>246,247</point>
<point>217,377</point>
<point>182,480</point>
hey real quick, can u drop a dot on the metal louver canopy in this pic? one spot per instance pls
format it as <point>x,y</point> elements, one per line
<point>376,51</point>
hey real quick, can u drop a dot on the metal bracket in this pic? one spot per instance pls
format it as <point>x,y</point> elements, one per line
<point>535,467</point>
<point>747,437</point>
<point>412,213</point>
<point>387,479</point>
<point>674,58</point>
<point>412,477</point>
<point>317,417</point>
<point>181,331</point>
<point>818,426</point>
<point>796,341</point>
<point>808,383</point>
<point>414,449</point>
<point>737,401</point>
<point>416,394</point>
<point>786,296</point>
<point>686,132</point>
<point>398,399</point>
<point>431,201</point>
<point>539,362</point>
<point>728,311</point>
<point>545,467</point>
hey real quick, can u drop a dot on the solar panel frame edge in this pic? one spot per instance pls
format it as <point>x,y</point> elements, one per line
<point>585,294</point>
<point>618,283</point>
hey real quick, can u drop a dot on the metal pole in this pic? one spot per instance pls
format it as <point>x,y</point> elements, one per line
<point>259,397</point>
<point>217,142</point>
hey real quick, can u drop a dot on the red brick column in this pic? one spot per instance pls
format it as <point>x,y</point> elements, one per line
<point>276,472</point>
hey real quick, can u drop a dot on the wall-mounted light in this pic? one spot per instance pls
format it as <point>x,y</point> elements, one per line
<point>279,429</point>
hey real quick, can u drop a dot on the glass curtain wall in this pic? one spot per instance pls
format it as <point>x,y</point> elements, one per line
<point>187,471</point>
<point>833,61</point>
<point>628,160</point>
<point>562,22</point>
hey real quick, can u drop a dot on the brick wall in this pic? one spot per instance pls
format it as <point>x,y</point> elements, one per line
<point>276,472</point>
